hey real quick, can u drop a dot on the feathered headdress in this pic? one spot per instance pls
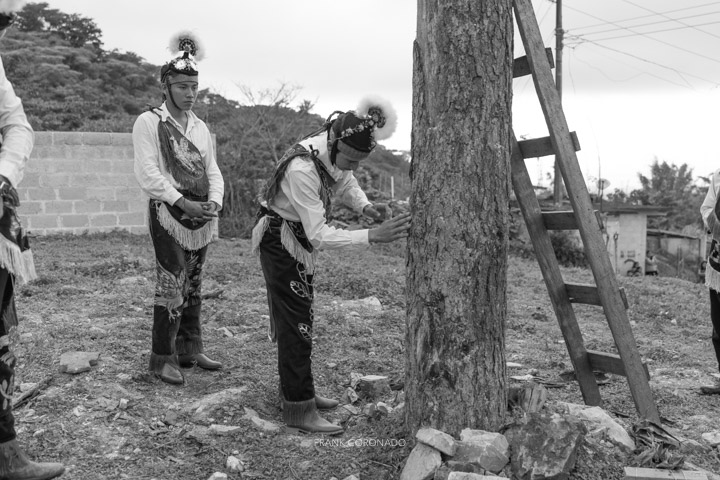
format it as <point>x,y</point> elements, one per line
<point>187,51</point>
<point>7,12</point>
<point>355,133</point>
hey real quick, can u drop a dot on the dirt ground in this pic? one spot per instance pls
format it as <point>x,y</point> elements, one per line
<point>116,421</point>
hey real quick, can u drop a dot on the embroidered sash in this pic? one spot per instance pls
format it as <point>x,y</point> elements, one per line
<point>293,236</point>
<point>184,162</point>
<point>15,254</point>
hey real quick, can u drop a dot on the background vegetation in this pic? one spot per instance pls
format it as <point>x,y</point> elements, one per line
<point>68,82</point>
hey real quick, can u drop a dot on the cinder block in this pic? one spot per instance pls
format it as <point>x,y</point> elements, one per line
<point>40,152</point>
<point>55,180</point>
<point>30,208</point>
<point>130,192</point>
<point>103,220</point>
<point>63,165</point>
<point>87,206</point>
<point>72,193</point>
<point>59,206</point>
<point>30,179</point>
<point>115,180</point>
<point>96,138</point>
<point>84,180</point>
<point>124,165</point>
<point>43,138</point>
<point>96,165</point>
<point>100,193</point>
<point>42,221</point>
<point>67,138</point>
<point>115,206</point>
<point>74,221</point>
<point>131,219</point>
<point>110,152</point>
<point>41,194</point>
<point>123,139</point>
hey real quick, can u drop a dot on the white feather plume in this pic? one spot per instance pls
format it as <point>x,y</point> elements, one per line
<point>176,40</point>
<point>391,118</point>
<point>10,6</point>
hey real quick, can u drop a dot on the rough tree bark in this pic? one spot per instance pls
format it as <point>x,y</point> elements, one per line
<point>457,248</point>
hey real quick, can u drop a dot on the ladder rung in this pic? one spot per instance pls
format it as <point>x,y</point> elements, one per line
<point>610,363</point>
<point>521,66</point>
<point>564,220</point>
<point>542,147</point>
<point>588,294</point>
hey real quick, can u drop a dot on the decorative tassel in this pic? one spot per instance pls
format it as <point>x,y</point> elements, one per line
<point>258,232</point>
<point>290,243</point>
<point>186,238</point>
<point>296,413</point>
<point>712,278</point>
<point>188,346</point>
<point>19,263</point>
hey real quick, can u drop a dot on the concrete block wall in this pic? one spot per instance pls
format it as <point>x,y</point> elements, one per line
<point>78,182</point>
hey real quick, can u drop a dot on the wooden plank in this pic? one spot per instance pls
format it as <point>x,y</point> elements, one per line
<point>588,294</point>
<point>610,363</point>
<point>521,67</point>
<point>542,147</point>
<point>638,473</point>
<point>579,197</point>
<point>525,193</point>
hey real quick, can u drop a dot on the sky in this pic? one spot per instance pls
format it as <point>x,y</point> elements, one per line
<point>640,77</point>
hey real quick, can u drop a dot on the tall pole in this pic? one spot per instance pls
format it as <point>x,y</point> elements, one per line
<point>558,190</point>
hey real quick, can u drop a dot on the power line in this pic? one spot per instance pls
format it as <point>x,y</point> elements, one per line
<point>645,33</point>
<point>650,38</point>
<point>646,16</point>
<point>662,14</point>
<point>655,23</point>
<point>678,72</point>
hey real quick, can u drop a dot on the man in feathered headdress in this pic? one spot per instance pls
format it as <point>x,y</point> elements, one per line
<point>292,227</point>
<point>176,167</point>
<point>15,264</point>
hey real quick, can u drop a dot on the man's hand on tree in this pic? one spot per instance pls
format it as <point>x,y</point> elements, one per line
<point>391,230</point>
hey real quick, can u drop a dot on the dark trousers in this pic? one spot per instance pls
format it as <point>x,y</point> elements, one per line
<point>290,295</point>
<point>715,317</point>
<point>176,314</point>
<point>8,318</point>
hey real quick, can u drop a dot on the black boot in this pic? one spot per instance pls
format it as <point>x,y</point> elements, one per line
<point>15,465</point>
<point>322,403</point>
<point>189,360</point>
<point>165,367</point>
<point>304,417</point>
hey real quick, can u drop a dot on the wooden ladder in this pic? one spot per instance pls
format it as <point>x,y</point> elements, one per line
<point>606,293</point>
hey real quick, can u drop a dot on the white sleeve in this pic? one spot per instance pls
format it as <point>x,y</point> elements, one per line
<point>17,134</point>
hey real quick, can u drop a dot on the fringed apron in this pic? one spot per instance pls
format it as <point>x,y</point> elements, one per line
<point>180,249</point>
<point>16,262</point>
<point>712,277</point>
<point>288,263</point>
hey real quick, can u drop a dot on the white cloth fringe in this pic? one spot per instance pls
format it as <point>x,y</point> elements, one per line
<point>186,238</point>
<point>712,279</point>
<point>258,232</point>
<point>289,242</point>
<point>19,263</point>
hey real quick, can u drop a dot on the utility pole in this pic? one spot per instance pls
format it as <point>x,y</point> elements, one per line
<point>558,190</point>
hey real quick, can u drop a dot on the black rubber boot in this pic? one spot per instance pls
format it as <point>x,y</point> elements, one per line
<point>166,368</point>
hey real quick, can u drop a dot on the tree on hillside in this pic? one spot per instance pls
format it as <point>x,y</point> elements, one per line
<point>77,30</point>
<point>457,249</point>
<point>671,187</point>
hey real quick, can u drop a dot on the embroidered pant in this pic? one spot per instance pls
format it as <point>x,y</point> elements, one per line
<point>176,314</point>
<point>715,317</point>
<point>290,296</point>
<point>8,319</point>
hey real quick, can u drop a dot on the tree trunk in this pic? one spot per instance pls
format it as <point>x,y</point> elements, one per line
<point>457,248</point>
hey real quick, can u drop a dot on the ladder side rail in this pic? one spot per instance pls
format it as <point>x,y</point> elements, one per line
<point>580,200</point>
<point>522,185</point>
